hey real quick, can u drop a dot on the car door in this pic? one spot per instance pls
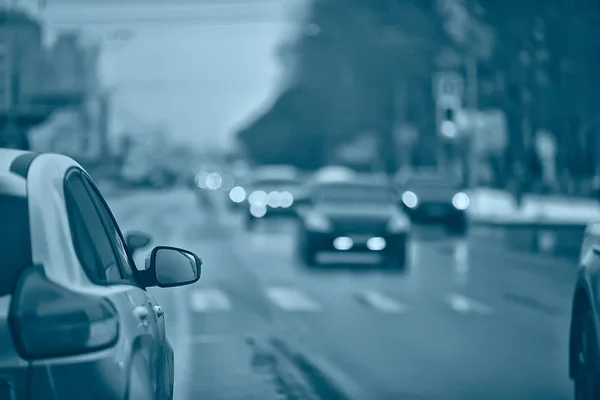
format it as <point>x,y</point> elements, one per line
<point>108,265</point>
<point>126,259</point>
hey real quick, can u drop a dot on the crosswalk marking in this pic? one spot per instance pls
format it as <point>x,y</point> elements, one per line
<point>209,300</point>
<point>291,299</point>
<point>382,303</point>
<point>465,305</point>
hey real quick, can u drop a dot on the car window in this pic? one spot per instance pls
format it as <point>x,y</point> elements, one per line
<point>352,194</point>
<point>107,263</point>
<point>15,240</point>
<point>113,231</point>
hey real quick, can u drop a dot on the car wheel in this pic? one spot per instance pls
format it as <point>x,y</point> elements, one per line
<point>587,374</point>
<point>139,385</point>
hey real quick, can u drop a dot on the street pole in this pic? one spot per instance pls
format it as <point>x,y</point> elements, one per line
<point>473,104</point>
<point>104,123</point>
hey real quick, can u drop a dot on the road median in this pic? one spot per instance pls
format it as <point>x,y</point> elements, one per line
<point>544,237</point>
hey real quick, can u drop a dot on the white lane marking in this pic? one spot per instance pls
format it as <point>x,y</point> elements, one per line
<point>464,305</point>
<point>383,303</point>
<point>209,300</point>
<point>291,299</point>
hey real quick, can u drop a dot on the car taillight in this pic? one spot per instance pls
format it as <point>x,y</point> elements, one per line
<point>48,320</point>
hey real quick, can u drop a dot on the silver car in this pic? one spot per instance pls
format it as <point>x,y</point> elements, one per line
<point>76,321</point>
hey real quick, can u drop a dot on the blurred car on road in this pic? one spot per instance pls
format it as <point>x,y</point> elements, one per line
<point>584,337</point>
<point>434,197</point>
<point>332,173</point>
<point>355,215</point>
<point>76,321</point>
<point>271,193</point>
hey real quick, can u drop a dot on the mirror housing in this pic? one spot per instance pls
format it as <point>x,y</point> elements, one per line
<point>170,267</point>
<point>137,240</point>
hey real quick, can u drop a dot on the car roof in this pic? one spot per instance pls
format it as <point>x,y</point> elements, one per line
<point>8,156</point>
<point>274,172</point>
<point>13,171</point>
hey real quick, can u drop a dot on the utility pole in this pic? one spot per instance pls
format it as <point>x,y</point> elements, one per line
<point>472,104</point>
<point>104,123</point>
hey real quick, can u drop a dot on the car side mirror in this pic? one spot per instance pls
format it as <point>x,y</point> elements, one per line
<point>172,266</point>
<point>137,240</point>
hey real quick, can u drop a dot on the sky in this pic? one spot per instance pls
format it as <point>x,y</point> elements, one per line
<point>199,69</point>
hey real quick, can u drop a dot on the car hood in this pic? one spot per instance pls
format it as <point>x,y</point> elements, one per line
<point>374,211</point>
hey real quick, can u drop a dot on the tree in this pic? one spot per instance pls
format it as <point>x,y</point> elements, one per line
<point>347,67</point>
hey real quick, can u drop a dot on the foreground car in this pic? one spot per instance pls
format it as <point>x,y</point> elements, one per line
<point>76,321</point>
<point>584,341</point>
<point>352,216</point>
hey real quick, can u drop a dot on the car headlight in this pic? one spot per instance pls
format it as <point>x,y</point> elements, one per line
<point>258,198</point>
<point>316,222</point>
<point>399,223</point>
<point>410,199</point>
<point>461,201</point>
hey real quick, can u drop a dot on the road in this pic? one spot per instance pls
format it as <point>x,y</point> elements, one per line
<point>469,321</point>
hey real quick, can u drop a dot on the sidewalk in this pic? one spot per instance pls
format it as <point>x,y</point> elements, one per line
<point>497,206</point>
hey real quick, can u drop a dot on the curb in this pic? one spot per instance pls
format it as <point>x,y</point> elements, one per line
<point>560,241</point>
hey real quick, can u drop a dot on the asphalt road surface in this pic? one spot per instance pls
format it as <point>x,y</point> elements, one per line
<point>469,321</point>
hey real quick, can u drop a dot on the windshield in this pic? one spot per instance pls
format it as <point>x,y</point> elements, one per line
<point>15,242</point>
<point>352,194</point>
<point>432,184</point>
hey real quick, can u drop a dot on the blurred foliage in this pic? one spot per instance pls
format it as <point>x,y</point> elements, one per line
<point>347,62</point>
<point>538,60</point>
<point>544,65</point>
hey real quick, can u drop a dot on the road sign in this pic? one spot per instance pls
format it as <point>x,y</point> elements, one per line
<point>448,87</point>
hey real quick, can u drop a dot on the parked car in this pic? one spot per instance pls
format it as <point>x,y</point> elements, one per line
<point>584,338</point>
<point>76,320</point>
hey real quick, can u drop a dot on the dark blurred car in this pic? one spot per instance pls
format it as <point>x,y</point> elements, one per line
<point>358,215</point>
<point>584,340</point>
<point>434,197</point>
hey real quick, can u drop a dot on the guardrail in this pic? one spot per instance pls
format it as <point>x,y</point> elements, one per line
<point>551,238</point>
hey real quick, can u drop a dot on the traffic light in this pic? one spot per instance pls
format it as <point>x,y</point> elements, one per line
<point>448,127</point>
<point>449,114</point>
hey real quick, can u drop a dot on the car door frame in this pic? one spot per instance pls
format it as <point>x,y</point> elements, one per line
<point>159,320</point>
<point>146,339</point>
